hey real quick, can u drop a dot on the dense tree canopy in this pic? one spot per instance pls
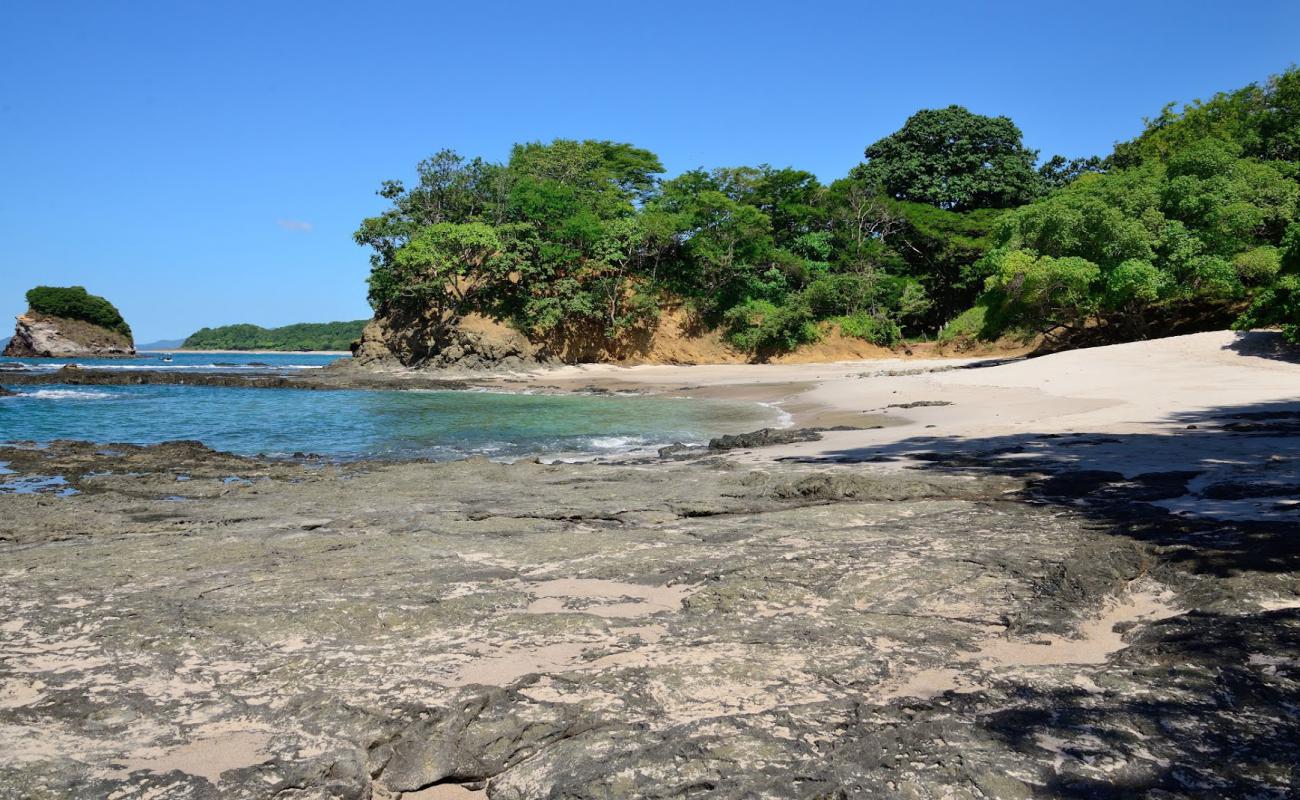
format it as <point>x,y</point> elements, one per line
<point>300,336</point>
<point>1197,210</point>
<point>948,224</point>
<point>74,302</point>
<point>953,159</point>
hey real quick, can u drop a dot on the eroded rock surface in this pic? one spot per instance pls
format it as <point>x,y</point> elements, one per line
<point>44,336</point>
<point>192,624</point>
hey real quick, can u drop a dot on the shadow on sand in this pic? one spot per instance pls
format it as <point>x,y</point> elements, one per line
<point>1205,703</point>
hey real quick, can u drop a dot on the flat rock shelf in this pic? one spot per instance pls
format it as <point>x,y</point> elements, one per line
<point>200,625</point>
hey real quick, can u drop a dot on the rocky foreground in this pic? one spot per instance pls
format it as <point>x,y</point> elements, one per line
<point>184,624</point>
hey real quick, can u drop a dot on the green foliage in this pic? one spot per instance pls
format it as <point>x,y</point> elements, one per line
<point>969,325</point>
<point>1191,212</point>
<point>955,160</point>
<point>1279,304</point>
<point>942,251</point>
<point>1259,266</point>
<point>1046,291</point>
<point>874,328</point>
<point>946,228</point>
<point>74,302</point>
<point>1263,120</point>
<point>1058,171</point>
<point>551,241</point>
<point>762,327</point>
<point>300,336</point>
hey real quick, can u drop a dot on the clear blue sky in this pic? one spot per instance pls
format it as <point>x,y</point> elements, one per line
<point>206,163</point>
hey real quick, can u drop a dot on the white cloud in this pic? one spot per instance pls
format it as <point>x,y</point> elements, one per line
<point>296,225</point>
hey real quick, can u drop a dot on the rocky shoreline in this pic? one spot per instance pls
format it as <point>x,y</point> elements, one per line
<point>323,379</point>
<point>935,584</point>
<point>186,623</point>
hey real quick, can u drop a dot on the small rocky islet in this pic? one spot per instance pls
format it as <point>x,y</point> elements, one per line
<point>69,322</point>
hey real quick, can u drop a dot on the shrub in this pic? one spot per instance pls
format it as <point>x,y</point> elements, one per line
<point>875,329</point>
<point>762,327</point>
<point>74,302</point>
<point>1279,304</point>
<point>969,324</point>
<point>1259,266</point>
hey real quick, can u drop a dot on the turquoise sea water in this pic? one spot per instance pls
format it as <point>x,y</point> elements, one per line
<point>354,423</point>
<point>187,362</point>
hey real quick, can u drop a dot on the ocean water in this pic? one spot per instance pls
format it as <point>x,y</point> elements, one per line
<point>439,425</point>
<point>195,361</point>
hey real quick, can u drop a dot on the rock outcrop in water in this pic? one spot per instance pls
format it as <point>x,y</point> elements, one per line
<point>69,322</point>
<point>43,336</point>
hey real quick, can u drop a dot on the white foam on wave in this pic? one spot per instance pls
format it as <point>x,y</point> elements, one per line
<point>613,442</point>
<point>784,419</point>
<point>66,394</point>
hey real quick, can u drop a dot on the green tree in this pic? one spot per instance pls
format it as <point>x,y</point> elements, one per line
<point>953,159</point>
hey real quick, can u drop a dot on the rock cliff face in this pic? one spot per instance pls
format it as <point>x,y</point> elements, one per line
<point>471,342</point>
<point>474,342</point>
<point>44,336</point>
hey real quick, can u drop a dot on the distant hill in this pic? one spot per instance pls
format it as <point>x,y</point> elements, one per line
<point>300,336</point>
<point>161,344</point>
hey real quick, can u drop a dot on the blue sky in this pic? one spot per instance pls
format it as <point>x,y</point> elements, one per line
<point>206,163</point>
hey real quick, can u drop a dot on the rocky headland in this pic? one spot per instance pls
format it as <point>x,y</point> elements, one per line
<point>39,335</point>
<point>69,322</point>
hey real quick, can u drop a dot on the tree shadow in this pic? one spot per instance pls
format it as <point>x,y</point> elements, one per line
<point>1265,344</point>
<point>1216,490</point>
<point>1200,705</point>
<point>1207,702</point>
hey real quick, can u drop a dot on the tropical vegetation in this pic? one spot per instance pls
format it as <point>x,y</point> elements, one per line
<point>300,336</point>
<point>950,227</point>
<point>74,302</point>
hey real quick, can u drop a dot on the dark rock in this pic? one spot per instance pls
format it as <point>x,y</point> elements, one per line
<point>678,451</point>
<point>1234,490</point>
<point>920,404</point>
<point>765,438</point>
<point>318,379</point>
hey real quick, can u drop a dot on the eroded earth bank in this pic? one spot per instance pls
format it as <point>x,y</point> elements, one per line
<point>196,625</point>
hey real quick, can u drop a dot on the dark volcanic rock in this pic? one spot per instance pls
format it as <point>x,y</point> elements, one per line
<point>1233,490</point>
<point>579,631</point>
<point>678,451</point>
<point>319,379</point>
<point>920,404</point>
<point>766,437</point>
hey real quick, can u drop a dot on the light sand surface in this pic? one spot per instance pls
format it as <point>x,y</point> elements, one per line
<point>1140,407</point>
